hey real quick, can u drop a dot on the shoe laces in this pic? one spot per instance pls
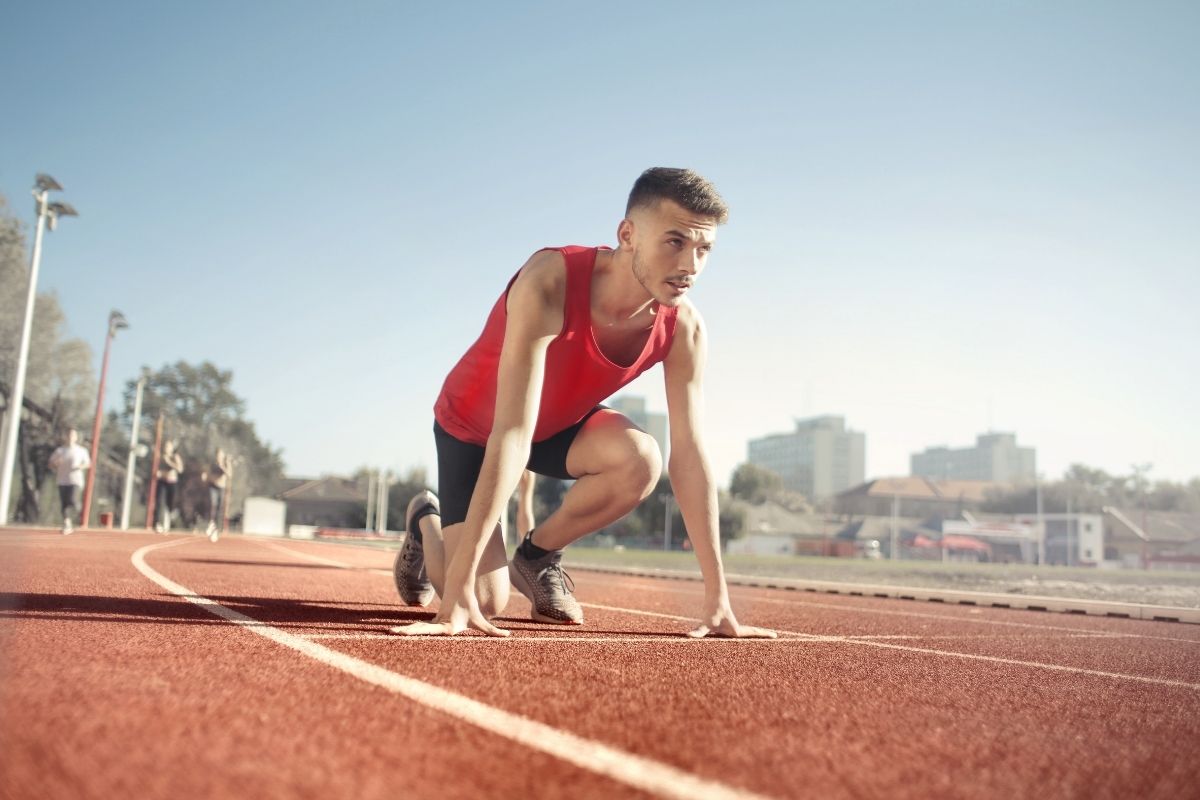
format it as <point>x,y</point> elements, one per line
<point>561,577</point>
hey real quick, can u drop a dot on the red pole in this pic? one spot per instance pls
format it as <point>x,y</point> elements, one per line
<point>91,477</point>
<point>158,431</point>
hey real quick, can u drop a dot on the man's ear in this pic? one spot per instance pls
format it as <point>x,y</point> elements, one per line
<point>625,233</point>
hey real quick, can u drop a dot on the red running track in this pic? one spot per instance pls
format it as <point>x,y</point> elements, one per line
<point>146,666</point>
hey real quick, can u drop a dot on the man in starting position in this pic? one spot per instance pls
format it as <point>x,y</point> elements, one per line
<point>574,325</point>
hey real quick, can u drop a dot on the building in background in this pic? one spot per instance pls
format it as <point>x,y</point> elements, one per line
<point>652,423</point>
<point>818,459</point>
<point>326,502</point>
<point>921,497</point>
<point>995,457</point>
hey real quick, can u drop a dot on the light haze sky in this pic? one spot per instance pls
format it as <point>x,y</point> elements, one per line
<point>946,216</point>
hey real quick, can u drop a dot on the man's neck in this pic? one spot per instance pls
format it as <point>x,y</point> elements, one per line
<point>617,296</point>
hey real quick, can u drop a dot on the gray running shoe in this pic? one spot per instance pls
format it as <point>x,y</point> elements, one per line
<point>548,588</point>
<point>409,570</point>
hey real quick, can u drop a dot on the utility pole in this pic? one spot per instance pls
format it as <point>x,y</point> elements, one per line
<point>668,501</point>
<point>1041,523</point>
<point>381,519</point>
<point>133,445</point>
<point>370,501</point>
<point>1140,471</point>
<point>1069,526</point>
<point>116,321</point>
<point>895,527</point>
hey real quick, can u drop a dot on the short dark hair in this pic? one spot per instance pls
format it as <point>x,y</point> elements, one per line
<point>689,189</point>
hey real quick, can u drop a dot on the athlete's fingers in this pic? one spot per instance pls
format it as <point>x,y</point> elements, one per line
<point>424,629</point>
<point>489,628</point>
<point>699,633</point>
<point>750,632</point>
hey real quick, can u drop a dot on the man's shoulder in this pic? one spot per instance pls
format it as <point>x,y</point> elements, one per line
<point>545,266</point>
<point>543,276</point>
<point>687,316</point>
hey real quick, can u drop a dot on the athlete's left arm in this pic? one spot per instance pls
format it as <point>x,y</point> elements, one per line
<point>691,473</point>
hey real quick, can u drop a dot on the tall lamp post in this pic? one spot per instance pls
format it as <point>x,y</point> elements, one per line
<point>668,500</point>
<point>47,214</point>
<point>134,447</point>
<point>116,321</point>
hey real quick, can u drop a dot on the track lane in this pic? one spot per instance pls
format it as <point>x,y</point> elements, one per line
<point>120,690</point>
<point>823,713</point>
<point>1046,715</point>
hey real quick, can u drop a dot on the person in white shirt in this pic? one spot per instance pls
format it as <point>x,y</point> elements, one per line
<point>69,462</point>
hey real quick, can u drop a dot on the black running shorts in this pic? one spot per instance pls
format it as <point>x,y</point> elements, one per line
<point>459,463</point>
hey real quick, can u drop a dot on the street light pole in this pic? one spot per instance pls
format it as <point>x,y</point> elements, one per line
<point>370,524</point>
<point>895,527</point>
<point>381,500</point>
<point>133,444</point>
<point>47,212</point>
<point>1041,523</point>
<point>116,321</point>
<point>668,519</point>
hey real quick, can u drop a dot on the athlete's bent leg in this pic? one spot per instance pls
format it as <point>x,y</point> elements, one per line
<point>617,466</point>
<point>491,579</point>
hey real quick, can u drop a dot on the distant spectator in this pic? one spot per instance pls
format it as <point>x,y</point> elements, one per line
<point>69,462</point>
<point>217,478</point>
<point>168,483</point>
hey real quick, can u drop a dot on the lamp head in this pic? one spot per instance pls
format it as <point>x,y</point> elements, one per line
<point>116,321</point>
<point>45,183</point>
<point>56,210</point>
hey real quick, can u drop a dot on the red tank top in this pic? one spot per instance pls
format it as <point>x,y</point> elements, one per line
<point>578,375</point>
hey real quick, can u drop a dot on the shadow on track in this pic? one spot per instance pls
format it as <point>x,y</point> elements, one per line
<point>177,611</point>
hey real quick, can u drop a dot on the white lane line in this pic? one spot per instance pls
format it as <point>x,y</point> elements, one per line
<point>745,595</point>
<point>945,653</point>
<point>515,640</point>
<point>633,770</point>
<point>680,639</point>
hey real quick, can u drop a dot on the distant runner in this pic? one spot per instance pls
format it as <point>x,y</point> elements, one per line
<point>68,462</point>
<point>217,478</point>
<point>573,326</point>
<point>169,470</point>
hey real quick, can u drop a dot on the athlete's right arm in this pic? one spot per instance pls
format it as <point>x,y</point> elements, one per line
<point>535,318</point>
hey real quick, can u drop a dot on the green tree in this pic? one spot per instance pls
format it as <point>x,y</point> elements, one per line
<point>1089,490</point>
<point>754,484</point>
<point>201,414</point>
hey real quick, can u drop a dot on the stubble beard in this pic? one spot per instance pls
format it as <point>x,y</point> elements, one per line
<point>642,275</point>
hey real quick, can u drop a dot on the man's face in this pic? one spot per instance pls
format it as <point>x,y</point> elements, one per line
<point>670,247</point>
<point>71,438</point>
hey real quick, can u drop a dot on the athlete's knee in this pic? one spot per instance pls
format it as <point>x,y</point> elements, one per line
<point>642,466</point>
<point>492,591</point>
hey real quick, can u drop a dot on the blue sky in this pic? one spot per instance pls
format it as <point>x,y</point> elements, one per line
<point>946,216</point>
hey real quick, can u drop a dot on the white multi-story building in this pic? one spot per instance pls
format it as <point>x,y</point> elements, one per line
<point>818,459</point>
<point>995,457</point>
<point>652,423</point>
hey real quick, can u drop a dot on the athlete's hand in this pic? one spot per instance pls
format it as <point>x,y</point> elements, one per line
<point>718,621</point>
<point>452,618</point>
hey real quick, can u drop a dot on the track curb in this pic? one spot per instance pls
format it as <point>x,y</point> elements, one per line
<point>1026,602</point>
